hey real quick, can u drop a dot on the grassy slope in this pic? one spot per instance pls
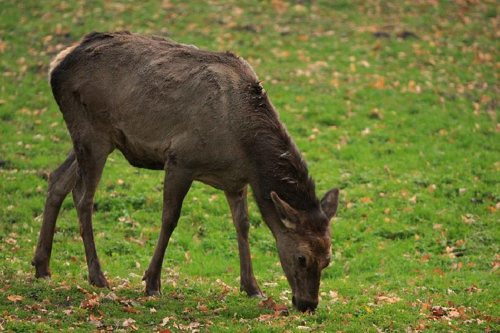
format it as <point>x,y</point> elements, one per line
<point>419,176</point>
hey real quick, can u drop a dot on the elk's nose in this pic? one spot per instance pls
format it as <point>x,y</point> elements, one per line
<point>303,305</point>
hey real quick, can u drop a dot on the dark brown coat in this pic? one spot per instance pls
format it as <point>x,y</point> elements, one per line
<point>198,115</point>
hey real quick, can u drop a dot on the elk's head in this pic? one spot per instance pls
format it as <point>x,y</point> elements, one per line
<point>305,246</point>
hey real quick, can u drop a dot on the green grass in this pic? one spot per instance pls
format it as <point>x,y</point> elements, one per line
<point>419,219</point>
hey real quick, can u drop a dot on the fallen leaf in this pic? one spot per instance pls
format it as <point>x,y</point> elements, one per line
<point>468,218</point>
<point>189,327</point>
<point>130,309</point>
<point>386,299</point>
<point>473,289</point>
<point>375,114</point>
<point>379,84</point>
<point>96,321</point>
<point>496,265</point>
<point>82,290</point>
<point>425,258</point>
<point>65,288</point>
<point>111,296</point>
<point>165,321</point>
<point>128,322</point>
<point>366,200</point>
<point>279,309</point>
<point>90,302</point>
<point>219,310</point>
<point>268,303</point>
<point>11,241</point>
<point>202,308</point>
<point>15,298</point>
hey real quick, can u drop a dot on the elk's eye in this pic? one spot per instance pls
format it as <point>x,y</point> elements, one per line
<point>302,260</point>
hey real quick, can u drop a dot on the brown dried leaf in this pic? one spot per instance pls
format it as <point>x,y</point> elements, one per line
<point>165,321</point>
<point>63,288</point>
<point>496,265</point>
<point>268,303</point>
<point>202,308</point>
<point>96,321</point>
<point>386,299</point>
<point>90,302</point>
<point>128,322</point>
<point>279,309</point>
<point>80,289</point>
<point>425,258</point>
<point>379,84</point>
<point>130,309</point>
<point>15,298</point>
<point>189,327</point>
<point>11,241</point>
<point>68,312</point>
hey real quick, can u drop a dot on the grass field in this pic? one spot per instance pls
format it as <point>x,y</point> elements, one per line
<point>394,102</point>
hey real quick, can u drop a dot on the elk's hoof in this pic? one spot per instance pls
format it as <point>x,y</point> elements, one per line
<point>153,284</point>
<point>99,281</point>
<point>42,270</point>
<point>258,296</point>
<point>253,291</point>
<point>153,292</point>
<point>42,275</point>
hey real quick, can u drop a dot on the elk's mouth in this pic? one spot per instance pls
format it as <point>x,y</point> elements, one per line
<point>303,305</point>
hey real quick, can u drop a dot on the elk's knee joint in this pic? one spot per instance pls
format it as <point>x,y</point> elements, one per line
<point>85,204</point>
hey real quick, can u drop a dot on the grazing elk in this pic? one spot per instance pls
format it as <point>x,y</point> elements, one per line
<point>198,115</point>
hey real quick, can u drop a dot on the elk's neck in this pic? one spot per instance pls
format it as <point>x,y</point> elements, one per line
<point>278,166</point>
<point>276,161</point>
<point>286,175</point>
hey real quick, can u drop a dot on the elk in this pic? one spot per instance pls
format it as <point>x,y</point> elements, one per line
<point>199,116</point>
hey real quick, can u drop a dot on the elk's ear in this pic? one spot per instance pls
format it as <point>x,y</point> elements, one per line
<point>330,203</point>
<point>286,213</point>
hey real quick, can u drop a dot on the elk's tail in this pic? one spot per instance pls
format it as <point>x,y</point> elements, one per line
<point>59,58</point>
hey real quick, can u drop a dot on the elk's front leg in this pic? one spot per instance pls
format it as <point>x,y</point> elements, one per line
<point>176,186</point>
<point>238,204</point>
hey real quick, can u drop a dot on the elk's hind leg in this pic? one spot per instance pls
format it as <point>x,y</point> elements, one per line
<point>61,182</point>
<point>91,159</point>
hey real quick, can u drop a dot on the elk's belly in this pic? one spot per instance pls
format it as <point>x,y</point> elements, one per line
<point>227,181</point>
<point>143,161</point>
<point>215,162</point>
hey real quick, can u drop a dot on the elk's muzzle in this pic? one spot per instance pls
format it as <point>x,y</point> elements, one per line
<point>304,305</point>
